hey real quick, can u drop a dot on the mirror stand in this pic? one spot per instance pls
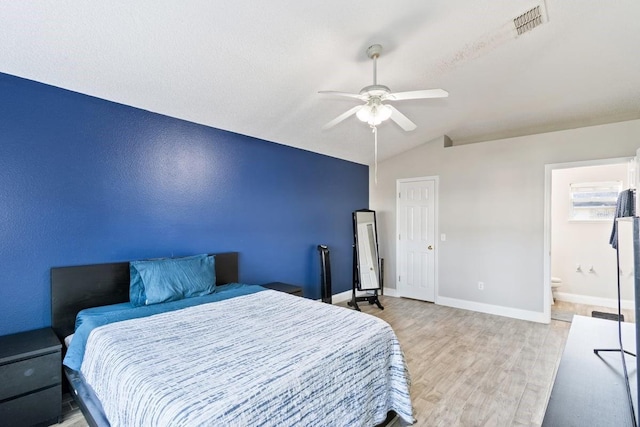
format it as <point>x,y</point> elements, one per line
<point>366,262</point>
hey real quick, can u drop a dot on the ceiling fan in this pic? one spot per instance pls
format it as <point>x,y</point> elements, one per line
<point>374,110</point>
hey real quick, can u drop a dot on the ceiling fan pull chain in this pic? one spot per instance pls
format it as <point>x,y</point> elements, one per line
<point>375,152</point>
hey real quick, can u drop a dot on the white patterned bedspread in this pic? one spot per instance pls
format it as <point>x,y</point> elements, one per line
<point>264,359</point>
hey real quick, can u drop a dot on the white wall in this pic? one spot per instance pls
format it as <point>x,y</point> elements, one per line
<point>580,242</point>
<point>491,207</point>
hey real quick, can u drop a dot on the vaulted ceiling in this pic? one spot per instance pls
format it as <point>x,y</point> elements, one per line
<point>255,67</point>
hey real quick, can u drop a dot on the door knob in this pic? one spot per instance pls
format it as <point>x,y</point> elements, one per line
<point>430,247</point>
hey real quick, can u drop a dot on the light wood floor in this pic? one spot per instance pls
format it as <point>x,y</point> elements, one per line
<point>474,369</point>
<point>467,368</point>
<point>71,415</point>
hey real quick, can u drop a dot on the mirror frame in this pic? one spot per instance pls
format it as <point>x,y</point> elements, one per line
<point>358,239</point>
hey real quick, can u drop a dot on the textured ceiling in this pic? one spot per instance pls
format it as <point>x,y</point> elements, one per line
<point>255,67</point>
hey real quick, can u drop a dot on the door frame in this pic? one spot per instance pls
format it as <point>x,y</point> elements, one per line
<point>548,171</point>
<point>436,189</point>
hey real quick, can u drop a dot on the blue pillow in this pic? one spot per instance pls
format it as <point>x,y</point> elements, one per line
<point>171,279</point>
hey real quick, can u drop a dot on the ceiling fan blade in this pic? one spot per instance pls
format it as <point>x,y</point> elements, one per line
<point>342,116</point>
<point>417,94</point>
<point>347,94</point>
<point>401,120</point>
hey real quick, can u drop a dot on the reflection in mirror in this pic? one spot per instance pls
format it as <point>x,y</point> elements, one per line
<point>368,264</point>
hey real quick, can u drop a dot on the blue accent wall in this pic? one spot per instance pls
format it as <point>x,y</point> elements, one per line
<point>84,181</point>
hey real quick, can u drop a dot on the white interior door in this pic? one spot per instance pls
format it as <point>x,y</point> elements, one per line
<point>416,238</point>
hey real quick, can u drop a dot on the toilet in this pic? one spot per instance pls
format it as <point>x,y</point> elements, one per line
<point>555,284</point>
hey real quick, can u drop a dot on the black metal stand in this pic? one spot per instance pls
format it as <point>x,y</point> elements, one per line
<point>621,348</point>
<point>325,274</point>
<point>371,299</point>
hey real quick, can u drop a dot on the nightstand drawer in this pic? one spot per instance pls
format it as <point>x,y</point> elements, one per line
<point>30,374</point>
<point>43,406</point>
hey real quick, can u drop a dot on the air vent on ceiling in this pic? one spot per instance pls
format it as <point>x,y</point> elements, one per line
<point>528,20</point>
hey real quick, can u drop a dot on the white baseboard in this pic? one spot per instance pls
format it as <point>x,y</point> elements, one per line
<point>588,300</point>
<point>390,292</point>
<point>533,316</point>
<point>341,297</point>
<point>515,313</point>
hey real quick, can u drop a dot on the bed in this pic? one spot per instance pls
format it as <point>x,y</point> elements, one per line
<point>241,355</point>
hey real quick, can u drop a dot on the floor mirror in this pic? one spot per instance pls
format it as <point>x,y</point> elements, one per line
<point>367,275</point>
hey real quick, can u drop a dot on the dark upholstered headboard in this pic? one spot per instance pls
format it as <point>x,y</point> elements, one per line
<point>84,286</point>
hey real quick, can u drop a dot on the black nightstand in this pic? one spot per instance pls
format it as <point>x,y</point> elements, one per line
<point>284,287</point>
<point>30,378</point>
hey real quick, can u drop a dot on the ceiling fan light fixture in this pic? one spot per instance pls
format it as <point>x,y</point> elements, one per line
<point>374,113</point>
<point>384,112</point>
<point>364,113</point>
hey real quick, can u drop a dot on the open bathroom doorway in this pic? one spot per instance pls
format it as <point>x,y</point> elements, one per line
<point>583,268</point>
